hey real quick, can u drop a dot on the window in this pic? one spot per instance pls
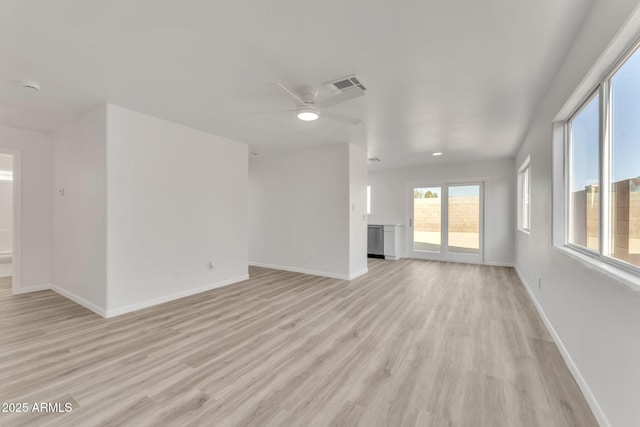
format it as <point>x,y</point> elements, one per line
<point>584,159</point>
<point>603,169</point>
<point>368,200</point>
<point>6,175</point>
<point>524,196</point>
<point>624,175</point>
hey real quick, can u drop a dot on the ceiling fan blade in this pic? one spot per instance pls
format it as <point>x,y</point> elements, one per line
<point>292,96</point>
<point>340,117</point>
<point>345,96</point>
<point>261,113</point>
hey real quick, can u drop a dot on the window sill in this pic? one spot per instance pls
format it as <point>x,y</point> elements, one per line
<point>621,275</point>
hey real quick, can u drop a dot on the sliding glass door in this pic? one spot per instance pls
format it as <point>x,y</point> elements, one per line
<point>446,222</point>
<point>426,221</point>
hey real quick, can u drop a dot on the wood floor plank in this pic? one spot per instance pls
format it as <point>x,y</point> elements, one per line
<point>412,343</point>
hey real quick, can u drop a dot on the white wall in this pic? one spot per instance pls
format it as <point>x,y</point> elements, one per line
<point>299,204</point>
<point>596,317</point>
<point>6,162</point>
<point>389,199</point>
<point>6,207</point>
<point>177,199</point>
<point>35,170</point>
<point>79,246</point>
<point>358,214</point>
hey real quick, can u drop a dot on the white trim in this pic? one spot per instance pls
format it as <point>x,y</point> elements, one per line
<point>605,179</point>
<point>36,288</point>
<point>306,271</point>
<point>584,387</point>
<point>166,298</point>
<point>499,264</point>
<point>16,281</point>
<point>17,223</point>
<point>79,300</point>
<point>525,167</point>
<point>358,274</point>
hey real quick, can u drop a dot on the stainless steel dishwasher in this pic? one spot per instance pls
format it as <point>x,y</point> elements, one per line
<point>375,241</point>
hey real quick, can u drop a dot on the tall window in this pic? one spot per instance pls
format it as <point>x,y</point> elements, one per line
<point>584,199</point>
<point>624,174</point>
<point>603,165</point>
<point>524,196</point>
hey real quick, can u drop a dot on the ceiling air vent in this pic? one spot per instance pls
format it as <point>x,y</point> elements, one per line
<point>373,159</point>
<point>345,83</point>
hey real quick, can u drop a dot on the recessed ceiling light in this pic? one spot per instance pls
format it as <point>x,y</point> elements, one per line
<point>31,85</point>
<point>255,153</point>
<point>308,114</point>
<point>373,159</point>
<point>437,153</point>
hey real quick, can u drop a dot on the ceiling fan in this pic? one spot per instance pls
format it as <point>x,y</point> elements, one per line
<point>308,108</point>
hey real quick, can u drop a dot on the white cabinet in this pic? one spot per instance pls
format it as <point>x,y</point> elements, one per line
<point>392,235</point>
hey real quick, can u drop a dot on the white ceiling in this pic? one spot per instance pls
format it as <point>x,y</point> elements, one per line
<point>459,76</point>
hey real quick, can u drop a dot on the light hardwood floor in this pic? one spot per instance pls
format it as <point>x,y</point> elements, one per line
<point>411,343</point>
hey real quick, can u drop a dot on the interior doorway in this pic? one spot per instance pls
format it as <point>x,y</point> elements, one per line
<point>446,222</point>
<point>6,219</point>
<point>10,221</point>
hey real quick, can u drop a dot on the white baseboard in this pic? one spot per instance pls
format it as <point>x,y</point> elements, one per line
<point>358,274</point>
<point>166,298</point>
<point>584,387</point>
<point>30,289</point>
<point>305,271</point>
<point>499,264</point>
<point>488,263</point>
<point>79,300</point>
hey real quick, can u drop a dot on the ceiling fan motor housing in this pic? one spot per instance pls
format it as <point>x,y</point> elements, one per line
<point>308,95</point>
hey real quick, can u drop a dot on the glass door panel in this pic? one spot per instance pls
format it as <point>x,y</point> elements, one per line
<point>464,219</point>
<point>427,219</point>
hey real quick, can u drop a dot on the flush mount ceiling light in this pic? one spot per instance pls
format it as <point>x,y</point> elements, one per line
<point>308,114</point>
<point>437,153</point>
